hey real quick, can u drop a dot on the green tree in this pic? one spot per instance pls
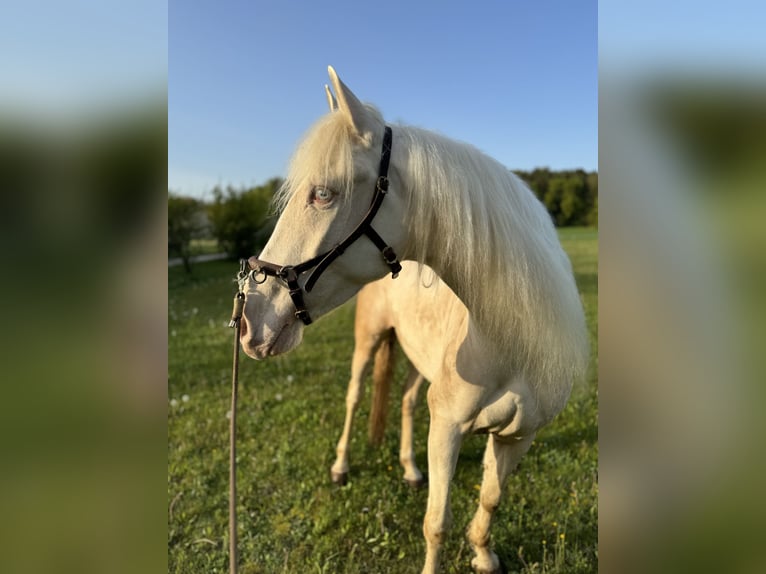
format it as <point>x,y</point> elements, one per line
<point>591,218</point>
<point>240,219</point>
<point>186,221</point>
<point>572,200</point>
<point>538,180</point>
<point>552,198</point>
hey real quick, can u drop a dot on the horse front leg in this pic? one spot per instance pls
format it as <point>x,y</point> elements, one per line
<point>500,458</point>
<point>412,473</point>
<point>360,362</point>
<point>444,440</point>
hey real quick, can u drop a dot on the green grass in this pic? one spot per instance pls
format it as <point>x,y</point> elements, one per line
<point>291,519</point>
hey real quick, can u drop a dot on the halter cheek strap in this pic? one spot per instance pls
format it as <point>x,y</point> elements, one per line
<point>289,273</point>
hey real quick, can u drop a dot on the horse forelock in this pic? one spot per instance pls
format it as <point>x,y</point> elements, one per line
<point>325,156</point>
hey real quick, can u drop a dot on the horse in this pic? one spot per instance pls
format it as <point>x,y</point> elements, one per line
<point>360,194</point>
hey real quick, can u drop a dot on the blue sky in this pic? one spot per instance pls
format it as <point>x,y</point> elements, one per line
<point>719,39</point>
<point>246,79</point>
<point>74,58</point>
<point>516,78</point>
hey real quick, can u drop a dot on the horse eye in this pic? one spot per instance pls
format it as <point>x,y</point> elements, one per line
<point>322,195</point>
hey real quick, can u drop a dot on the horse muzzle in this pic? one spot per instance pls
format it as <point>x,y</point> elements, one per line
<point>269,343</point>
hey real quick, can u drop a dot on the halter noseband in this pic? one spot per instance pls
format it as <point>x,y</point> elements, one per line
<point>290,273</point>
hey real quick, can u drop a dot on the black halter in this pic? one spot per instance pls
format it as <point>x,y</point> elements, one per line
<point>290,273</point>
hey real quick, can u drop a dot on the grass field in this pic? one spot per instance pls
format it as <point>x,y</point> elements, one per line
<point>291,518</point>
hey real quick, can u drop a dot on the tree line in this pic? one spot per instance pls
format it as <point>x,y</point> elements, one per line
<point>571,196</point>
<point>241,219</point>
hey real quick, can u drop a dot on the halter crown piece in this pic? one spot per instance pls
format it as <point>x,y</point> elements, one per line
<point>289,273</point>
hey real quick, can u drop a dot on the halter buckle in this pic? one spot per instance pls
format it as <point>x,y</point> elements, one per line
<point>288,275</point>
<point>382,184</point>
<point>389,256</point>
<point>303,315</point>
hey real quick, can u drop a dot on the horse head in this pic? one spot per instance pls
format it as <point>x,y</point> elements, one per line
<point>332,195</point>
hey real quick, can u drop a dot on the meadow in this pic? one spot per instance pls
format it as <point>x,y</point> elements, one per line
<point>292,519</point>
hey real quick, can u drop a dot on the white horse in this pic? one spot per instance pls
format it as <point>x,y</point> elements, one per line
<point>502,362</point>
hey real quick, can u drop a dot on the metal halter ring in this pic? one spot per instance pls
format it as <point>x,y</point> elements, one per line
<point>256,278</point>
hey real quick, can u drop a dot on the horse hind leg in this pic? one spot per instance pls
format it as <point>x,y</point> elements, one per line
<point>412,474</point>
<point>364,347</point>
<point>500,458</point>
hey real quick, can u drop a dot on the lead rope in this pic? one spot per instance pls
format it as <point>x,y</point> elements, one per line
<point>236,317</point>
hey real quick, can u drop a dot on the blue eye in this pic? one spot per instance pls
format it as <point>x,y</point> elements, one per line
<point>322,195</point>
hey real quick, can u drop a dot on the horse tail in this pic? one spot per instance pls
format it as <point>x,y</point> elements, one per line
<point>382,375</point>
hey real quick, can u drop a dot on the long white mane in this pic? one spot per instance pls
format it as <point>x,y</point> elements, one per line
<point>470,215</point>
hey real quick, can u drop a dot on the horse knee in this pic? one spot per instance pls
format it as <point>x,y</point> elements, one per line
<point>435,528</point>
<point>434,535</point>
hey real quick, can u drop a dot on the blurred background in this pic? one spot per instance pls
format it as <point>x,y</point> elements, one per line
<point>83,169</point>
<point>682,158</point>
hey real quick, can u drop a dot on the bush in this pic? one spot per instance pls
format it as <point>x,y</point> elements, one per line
<point>240,219</point>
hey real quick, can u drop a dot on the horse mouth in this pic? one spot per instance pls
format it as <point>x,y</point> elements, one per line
<point>281,343</point>
<point>286,339</point>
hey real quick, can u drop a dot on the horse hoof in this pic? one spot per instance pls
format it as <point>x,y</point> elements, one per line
<point>418,483</point>
<point>501,569</point>
<point>339,478</point>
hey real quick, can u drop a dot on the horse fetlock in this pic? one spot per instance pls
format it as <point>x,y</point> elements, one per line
<point>478,536</point>
<point>339,478</point>
<point>411,470</point>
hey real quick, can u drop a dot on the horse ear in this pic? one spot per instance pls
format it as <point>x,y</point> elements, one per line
<point>330,99</point>
<point>348,103</point>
